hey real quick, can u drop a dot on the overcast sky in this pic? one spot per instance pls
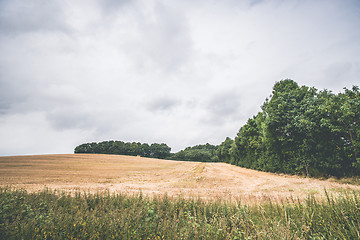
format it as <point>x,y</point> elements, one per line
<point>179,72</point>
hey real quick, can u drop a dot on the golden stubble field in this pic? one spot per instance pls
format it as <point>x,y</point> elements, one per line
<point>128,174</point>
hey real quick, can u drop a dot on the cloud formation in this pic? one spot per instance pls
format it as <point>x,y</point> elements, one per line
<point>180,72</point>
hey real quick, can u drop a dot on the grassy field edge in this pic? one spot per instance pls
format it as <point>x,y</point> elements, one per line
<point>60,215</point>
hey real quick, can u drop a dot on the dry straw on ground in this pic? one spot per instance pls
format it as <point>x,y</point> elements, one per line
<point>127,174</point>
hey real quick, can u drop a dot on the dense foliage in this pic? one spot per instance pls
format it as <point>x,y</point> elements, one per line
<point>154,150</point>
<point>301,130</point>
<point>198,153</point>
<point>46,215</point>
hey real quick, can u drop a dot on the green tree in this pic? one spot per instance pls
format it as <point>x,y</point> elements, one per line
<point>159,150</point>
<point>349,121</point>
<point>199,153</point>
<point>144,150</point>
<point>223,151</point>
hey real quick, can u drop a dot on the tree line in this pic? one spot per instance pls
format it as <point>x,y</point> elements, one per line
<point>300,130</point>
<point>155,150</point>
<point>198,153</point>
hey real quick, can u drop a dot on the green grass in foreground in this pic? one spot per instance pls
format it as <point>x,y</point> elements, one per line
<point>53,215</point>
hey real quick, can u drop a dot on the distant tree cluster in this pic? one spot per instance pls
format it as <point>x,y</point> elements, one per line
<point>300,130</point>
<point>155,150</point>
<point>198,153</point>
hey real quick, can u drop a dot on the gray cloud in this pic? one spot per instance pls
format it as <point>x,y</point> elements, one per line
<point>12,93</point>
<point>64,119</point>
<point>223,107</point>
<point>18,16</point>
<point>224,104</point>
<point>180,72</point>
<point>255,2</point>
<point>163,104</point>
<point>163,38</point>
<point>109,5</point>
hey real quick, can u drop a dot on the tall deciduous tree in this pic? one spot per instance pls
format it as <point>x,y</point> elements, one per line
<point>302,130</point>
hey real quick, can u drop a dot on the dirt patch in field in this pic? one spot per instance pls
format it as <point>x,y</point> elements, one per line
<point>127,174</point>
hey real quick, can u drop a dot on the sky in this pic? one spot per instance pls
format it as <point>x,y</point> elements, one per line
<point>179,72</point>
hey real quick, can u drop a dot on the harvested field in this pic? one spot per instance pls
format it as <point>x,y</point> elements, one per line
<point>128,174</point>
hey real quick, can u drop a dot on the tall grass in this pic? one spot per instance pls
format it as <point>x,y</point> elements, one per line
<point>59,215</point>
